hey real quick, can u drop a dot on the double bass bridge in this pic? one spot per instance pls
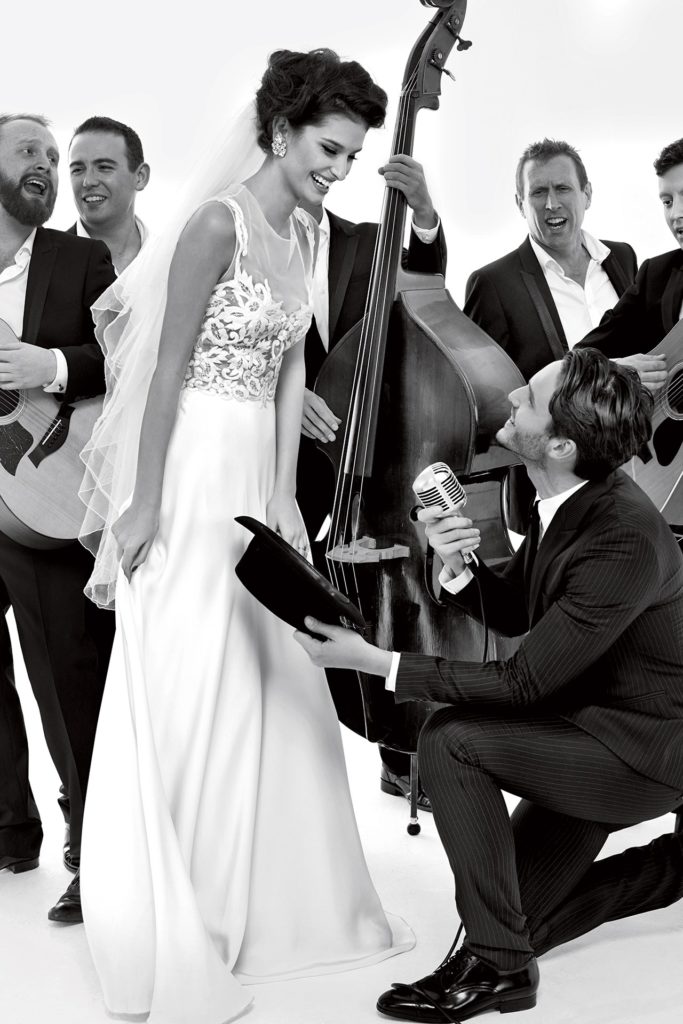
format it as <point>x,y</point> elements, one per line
<point>366,549</point>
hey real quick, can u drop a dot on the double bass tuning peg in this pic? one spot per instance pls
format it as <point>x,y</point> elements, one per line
<point>438,59</point>
<point>453,25</point>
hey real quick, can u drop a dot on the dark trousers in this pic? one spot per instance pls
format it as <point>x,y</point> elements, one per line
<point>528,883</point>
<point>65,641</point>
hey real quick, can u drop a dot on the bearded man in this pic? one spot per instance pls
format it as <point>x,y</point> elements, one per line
<point>48,281</point>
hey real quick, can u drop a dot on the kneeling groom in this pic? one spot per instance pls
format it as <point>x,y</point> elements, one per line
<point>584,722</point>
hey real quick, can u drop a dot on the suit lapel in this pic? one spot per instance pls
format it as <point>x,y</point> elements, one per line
<point>565,526</point>
<point>616,273</point>
<point>536,285</point>
<point>39,273</point>
<point>672,298</point>
<point>343,246</point>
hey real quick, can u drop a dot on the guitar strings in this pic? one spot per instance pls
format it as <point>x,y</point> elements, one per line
<point>37,422</point>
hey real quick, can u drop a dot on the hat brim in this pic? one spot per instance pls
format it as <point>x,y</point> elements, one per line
<point>289,586</point>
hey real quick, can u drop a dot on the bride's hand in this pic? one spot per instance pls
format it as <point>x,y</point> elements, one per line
<point>283,516</point>
<point>134,531</point>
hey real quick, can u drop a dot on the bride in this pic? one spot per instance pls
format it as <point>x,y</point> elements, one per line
<point>219,836</point>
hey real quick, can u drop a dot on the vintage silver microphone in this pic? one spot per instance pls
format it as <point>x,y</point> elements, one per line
<point>437,486</point>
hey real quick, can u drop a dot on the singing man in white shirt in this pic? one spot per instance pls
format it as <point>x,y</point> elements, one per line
<point>545,296</point>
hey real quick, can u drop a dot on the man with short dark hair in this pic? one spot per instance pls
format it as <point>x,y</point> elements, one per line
<point>543,297</point>
<point>108,169</point>
<point>584,721</point>
<point>648,310</point>
<point>48,282</point>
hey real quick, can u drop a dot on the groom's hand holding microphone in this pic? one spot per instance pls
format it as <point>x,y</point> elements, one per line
<point>453,536</point>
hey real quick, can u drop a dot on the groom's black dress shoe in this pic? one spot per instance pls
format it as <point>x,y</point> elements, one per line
<point>72,862</point>
<point>18,864</point>
<point>460,988</point>
<point>67,909</point>
<point>399,785</point>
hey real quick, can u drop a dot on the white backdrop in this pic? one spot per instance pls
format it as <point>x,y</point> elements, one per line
<point>600,73</point>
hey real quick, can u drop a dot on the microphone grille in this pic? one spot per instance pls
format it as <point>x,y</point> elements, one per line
<point>437,485</point>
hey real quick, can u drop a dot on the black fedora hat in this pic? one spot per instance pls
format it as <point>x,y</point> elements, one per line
<point>289,586</point>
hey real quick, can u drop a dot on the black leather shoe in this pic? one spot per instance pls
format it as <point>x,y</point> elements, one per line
<point>399,785</point>
<point>460,988</point>
<point>18,864</point>
<point>67,909</point>
<point>72,862</point>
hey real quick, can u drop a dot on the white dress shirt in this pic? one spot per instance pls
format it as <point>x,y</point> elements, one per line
<point>143,231</point>
<point>580,309</point>
<point>321,287</point>
<point>13,281</point>
<point>547,509</point>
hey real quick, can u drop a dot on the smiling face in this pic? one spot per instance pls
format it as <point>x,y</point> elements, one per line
<point>103,184</point>
<point>671,195</point>
<point>28,171</point>
<point>528,431</point>
<point>318,155</point>
<point>553,203</point>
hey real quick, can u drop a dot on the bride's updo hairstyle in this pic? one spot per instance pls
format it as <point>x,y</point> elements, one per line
<point>308,87</point>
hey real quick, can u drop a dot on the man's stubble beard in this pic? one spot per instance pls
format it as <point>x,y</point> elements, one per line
<point>529,447</point>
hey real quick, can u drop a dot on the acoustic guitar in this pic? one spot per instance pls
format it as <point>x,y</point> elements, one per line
<point>41,439</point>
<point>659,467</point>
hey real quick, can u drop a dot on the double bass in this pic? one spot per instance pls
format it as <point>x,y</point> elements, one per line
<point>415,382</point>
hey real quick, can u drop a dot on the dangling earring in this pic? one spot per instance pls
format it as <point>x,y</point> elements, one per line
<point>279,144</point>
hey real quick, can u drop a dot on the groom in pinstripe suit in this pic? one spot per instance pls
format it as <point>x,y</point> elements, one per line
<point>584,722</point>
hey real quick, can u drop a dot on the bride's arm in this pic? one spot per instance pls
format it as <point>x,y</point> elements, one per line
<point>283,514</point>
<point>203,254</point>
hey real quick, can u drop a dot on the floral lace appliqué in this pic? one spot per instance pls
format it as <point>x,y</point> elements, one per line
<point>243,337</point>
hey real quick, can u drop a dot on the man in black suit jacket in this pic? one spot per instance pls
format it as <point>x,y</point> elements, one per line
<point>648,310</point>
<point>543,297</point>
<point>48,281</point>
<point>584,721</point>
<point>351,250</point>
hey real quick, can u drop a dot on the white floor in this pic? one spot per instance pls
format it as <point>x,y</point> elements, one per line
<point>626,973</point>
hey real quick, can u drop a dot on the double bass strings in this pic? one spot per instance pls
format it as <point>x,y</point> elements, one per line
<point>369,365</point>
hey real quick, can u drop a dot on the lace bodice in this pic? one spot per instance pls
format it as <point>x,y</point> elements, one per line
<point>259,309</point>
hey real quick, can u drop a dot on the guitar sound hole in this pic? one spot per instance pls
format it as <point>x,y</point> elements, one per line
<point>9,401</point>
<point>674,394</point>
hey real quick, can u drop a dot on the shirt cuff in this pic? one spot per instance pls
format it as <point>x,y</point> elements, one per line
<point>454,584</point>
<point>58,385</point>
<point>390,683</point>
<point>426,235</point>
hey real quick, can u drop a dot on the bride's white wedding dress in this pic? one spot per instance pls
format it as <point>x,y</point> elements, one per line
<point>219,837</point>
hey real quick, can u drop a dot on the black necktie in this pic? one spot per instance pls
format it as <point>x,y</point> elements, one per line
<point>532,541</point>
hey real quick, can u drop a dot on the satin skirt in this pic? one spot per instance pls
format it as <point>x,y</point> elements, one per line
<point>220,845</point>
